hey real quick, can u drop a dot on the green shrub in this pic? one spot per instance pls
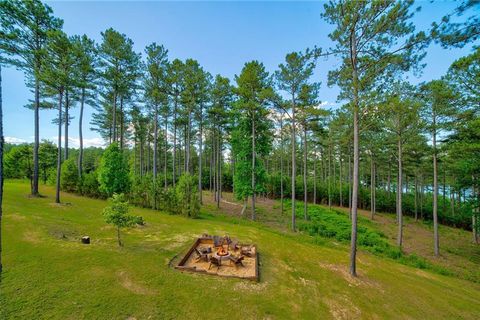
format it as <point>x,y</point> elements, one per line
<point>89,185</point>
<point>69,176</point>
<point>187,196</point>
<point>113,174</point>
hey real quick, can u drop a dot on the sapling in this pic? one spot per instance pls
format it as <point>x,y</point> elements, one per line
<point>117,214</point>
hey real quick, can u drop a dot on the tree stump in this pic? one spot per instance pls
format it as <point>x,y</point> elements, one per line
<point>86,240</point>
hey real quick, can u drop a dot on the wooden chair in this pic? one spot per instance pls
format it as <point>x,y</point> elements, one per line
<point>201,256</point>
<point>206,250</point>
<point>237,261</point>
<point>234,245</point>
<point>216,262</point>
<point>247,251</point>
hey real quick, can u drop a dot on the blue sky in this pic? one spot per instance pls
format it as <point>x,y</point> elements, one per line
<point>222,36</point>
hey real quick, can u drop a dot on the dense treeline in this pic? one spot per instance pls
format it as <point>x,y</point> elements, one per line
<point>173,129</point>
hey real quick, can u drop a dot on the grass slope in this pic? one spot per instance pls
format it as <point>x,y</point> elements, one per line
<point>50,275</point>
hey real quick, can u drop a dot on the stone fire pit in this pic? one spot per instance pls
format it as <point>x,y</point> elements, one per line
<point>223,250</point>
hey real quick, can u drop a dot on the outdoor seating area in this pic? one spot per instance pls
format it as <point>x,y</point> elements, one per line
<point>221,256</point>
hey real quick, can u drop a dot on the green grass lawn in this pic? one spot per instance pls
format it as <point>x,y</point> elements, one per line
<point>48,274</point>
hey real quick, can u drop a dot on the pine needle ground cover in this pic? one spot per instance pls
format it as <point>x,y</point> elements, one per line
<point>49,274</point>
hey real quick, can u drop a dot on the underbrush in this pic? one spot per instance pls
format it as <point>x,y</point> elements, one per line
<point>332,224</point>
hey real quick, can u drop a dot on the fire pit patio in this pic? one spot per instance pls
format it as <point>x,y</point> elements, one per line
<point>198,257</point>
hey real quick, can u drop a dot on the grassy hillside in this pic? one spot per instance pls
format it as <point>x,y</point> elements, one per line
<point>50,275</point>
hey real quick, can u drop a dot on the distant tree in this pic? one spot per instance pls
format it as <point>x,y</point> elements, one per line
<point>251,137</point>
<point>120,67</point>
<point>175,84</point>
<point>438,111</point>
<point>402,120</point>
<point>58,74</point>
<point>219,117</point>
<point>29,21</point>
<point>309,115</point>
<point>291,77</point>
<point>86,53</point>
<point>47,156</point>
<point>192,97</point>
<point>113,173</point>
<point>70,178</point>
<point>117,214</point>
<point>188,202</point>
<point>18,163</point>
<point>155,92</point>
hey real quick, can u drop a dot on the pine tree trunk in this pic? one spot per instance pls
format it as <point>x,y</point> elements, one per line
<point>155,155</point>
<point>281,164</point>
<point>114,117</point>
<point>59,154</point>
<point>200,189</point>
<point>165,156</point>
<point>350,185</point>
<point>436,245</point>
<point>305,191</point>
<point>174,140</point>
<point>315,178</point>
<point>340,181</point>
<point>372,189</point>
<point>399,195</point>
<point>215,172</point>
<point>293,163</point>
<point>36,144</point>
<point>122,123</point>
<point>329,182</point>
<point>218,174</point>
<point>389,179</point>
<point>80,134</point>
<point>253,167</point>
<point>67,106</point>
<point>356,157</point>
<point>416,196</point>
<point>1,167</point>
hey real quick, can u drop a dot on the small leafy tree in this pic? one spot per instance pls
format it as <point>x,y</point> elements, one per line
<point>187,196</point>
<point>113,174</point>
<point>70,178</point>
<point>117,214</point>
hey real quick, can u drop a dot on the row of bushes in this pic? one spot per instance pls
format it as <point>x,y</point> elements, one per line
<point>113,176</point>
<point>385,201</point>
<point>325,223</point>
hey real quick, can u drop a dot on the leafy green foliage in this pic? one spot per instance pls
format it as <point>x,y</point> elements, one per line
<point>117,214</point>
<point>251,137</point>
<point>69,179</point>
<point>336,225</point>
<point>187,196</point>
<point>113,174</point>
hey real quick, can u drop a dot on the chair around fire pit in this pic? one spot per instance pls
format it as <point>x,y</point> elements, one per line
<point>216,262</point>
<point>237,261</point>
<point>247,251</point>
<point>201,255</point>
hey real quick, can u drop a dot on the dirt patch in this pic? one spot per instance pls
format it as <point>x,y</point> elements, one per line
<point>178,241</point>
<point>62,205</point>
<point>32,236</point>
<point>360,280</point>
<point>250,286</point>
<point>16,217</point>
<point>133,286</point>
<point>342,308</point>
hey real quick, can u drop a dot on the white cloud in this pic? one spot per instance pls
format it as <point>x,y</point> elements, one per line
<point>14,140</point>
<point>74,142</point>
